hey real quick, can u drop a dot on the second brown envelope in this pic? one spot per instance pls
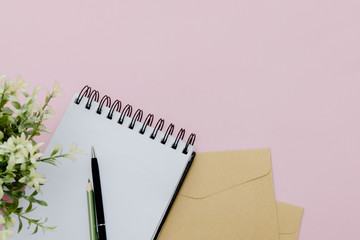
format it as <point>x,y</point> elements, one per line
<point>226,195</point>
<point>289,220</point>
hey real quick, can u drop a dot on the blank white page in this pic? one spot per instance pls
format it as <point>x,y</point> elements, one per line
<point>138,177</point>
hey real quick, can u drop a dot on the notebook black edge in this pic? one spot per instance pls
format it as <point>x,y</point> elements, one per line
<point>175,194</point>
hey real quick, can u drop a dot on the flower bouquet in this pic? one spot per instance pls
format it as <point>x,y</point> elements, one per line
<point>21,120</point>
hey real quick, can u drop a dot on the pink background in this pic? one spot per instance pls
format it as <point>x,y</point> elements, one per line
<point>239,73</point>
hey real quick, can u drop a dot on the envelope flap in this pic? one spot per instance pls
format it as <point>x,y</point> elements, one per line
<point>213,172</point>
<point>289,217</point>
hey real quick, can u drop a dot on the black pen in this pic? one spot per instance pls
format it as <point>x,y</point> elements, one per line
<point>98,197</point>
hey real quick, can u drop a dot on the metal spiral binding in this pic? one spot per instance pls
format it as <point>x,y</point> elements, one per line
<point>137,117</point>
<point>126,112</point>
<point>148,121</point>
<point>94,95</point>
<point>116,105</point>
<point>159,126</point>
<point>101,104</point>
<point>168,132</point>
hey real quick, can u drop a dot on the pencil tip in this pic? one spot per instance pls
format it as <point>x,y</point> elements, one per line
<point>89,187</point>
<point>88,180</point>
<point>92,152</point>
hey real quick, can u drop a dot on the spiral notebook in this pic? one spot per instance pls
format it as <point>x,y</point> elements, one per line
<point>141,167</point>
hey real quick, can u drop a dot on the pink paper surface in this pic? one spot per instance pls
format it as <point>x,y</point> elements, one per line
<point>240,74</point>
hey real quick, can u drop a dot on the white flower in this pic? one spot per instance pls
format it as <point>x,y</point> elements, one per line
<point>57,90</point>
<point>5,233</point>
<point>58,147</point>
<point>34,157</point>
<point>35,180</point>
<point>23,166</point>
<point>32,151</point>
<point>8,146</point>
<point>11,222</point>
<point>20,140</point>
<point>20,157</point>
<point>21,83</point>
<point>2,220</point>
<point>33,148</point>
<point>73,148</point>
<point>20,150</point>
<point>35,92</point>
<point>11,162</point>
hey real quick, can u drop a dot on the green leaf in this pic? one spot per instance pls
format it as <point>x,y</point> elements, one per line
<point>33,119</point>
<point>34,193</point>
<point>28,125</point>
<point>31,199</point>
<point>12,120</point>
<point>15,204</point>
<point>57,148</point>
<point>45,131</point>
<point>25,93</point>
<point>7,110</point>
<point>16,105</point>
<point>21,128</point>
<point>30,101</point>
<point>50,161</point>
<point>20,224</point>
<point>4,121</point>
<point>51,228</point>
<point>41,202</point>
<point>19,210</point>
<point>36,229</point>
<point>29,208</point>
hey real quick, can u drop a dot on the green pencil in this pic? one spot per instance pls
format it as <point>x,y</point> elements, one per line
<point>91,211</point>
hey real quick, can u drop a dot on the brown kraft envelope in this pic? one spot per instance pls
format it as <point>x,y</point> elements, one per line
<point>226,195</point>
<point>289,220</point>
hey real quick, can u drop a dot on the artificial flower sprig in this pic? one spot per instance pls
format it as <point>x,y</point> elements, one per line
<point>20,155</point>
